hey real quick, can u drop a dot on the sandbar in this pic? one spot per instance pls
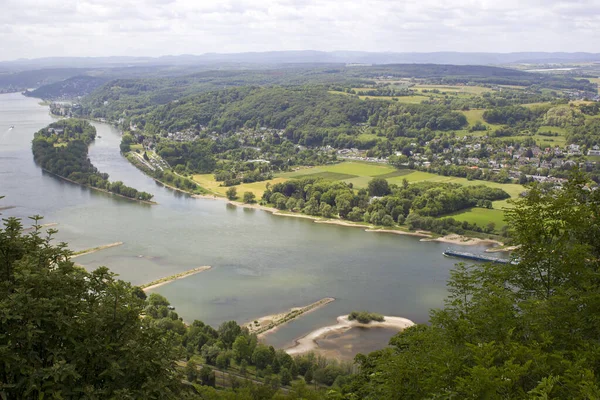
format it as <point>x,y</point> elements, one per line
<point>163,281</point>
<point>462,240</point>
<point>95,249</point>
<point>270,323</point>
<point>309,342</point>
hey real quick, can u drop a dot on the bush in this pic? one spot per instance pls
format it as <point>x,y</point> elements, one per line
<point>249,197</point>
<point>364,317</point>
<point>231,193</point>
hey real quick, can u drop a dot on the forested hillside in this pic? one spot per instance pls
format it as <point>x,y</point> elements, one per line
<point>70,88</point>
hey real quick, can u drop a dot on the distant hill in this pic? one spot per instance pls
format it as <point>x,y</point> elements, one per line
<point>22,80</point>
<point>308,56</point>
<point>70,88</point>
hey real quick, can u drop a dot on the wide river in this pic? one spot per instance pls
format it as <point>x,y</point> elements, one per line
<point>262,264</point>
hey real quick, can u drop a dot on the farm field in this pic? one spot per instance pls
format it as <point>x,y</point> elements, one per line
<point>454,89</point>
<point>208,182</point>
<point>481,216</point>
<point>541,140</point>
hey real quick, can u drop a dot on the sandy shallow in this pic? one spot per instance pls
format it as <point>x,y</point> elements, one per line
<point>308,343</point>
<point>502,249</point>
<point>462,240</point>
<point>397,232</point>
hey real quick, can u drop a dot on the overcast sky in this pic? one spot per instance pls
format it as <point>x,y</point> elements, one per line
<point>41,28</point>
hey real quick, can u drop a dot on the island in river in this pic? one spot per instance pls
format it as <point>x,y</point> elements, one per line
<point>62,149</point>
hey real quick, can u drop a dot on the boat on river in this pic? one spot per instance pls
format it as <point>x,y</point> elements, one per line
<point>475,257</point>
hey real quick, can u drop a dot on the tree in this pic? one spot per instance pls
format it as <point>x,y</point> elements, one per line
<point>228,332</point>
<point>207,376</point>
<point>191,371</point>
<point>64,330</point>
<point>286,376</point>
<point>241,349</point>
<point>378,187</point>
<point>308,376</point>
<point>249,197</point>
<point>231,193</point>
<point>261,357</point>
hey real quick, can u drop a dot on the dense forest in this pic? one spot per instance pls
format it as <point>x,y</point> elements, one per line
<point>62,149</point>
<point>308,116</point>
<point>519,331</point>
<point>382,203</point>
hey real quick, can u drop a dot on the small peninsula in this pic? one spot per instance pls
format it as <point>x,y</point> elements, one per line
<point>62,149</point>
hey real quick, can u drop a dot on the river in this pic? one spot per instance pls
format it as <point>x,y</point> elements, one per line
<point>262,264</point>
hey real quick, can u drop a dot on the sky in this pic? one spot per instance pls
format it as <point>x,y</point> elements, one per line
<point>48,28</point>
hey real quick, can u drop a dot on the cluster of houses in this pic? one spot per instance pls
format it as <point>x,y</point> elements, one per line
<point>537,163</point>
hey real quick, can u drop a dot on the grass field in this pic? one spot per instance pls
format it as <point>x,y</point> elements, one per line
<point>481,217</point>
<point>332,176</point>
<point>473,90</point>
<point>542,141</point>
<point>207,181</point>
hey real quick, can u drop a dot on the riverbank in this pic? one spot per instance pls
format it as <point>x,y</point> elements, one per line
<point>463,240</point>
<point>309,342</point>
<point>502,249</point>
<point>425,235</point>
<point>269,323</point>
<point>95,249</point>
<point>150,202</point>
<point>163,281</point>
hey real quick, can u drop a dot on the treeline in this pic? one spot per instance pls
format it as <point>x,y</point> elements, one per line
<point>381,203</point>
<point>62,149</point>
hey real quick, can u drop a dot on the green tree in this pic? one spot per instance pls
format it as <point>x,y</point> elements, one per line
<point>378,187</point>
<point>231,193</point>
<point>241,349</point>
<point>191,371</point>
<point>228,332</point>
<point>64,330</point>
<point>249,197</point>
<point>262,357</point>
<point>207,376</point>
<point>286,376</point>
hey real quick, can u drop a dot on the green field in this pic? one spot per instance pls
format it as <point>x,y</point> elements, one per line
<point>471,90</point>
<point>541,140</point>
<point>481,216</point>
<point>332,176</point>
<point>207,181</point>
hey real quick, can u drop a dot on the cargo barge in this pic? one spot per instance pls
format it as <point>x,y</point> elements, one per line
<point>475,257</point>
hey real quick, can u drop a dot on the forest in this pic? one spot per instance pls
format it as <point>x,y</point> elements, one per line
<point>382,203</point>
<point>523,330</point>
<point>62,149</point>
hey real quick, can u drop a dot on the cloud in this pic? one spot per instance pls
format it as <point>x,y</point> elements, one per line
<point>37,28</point>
